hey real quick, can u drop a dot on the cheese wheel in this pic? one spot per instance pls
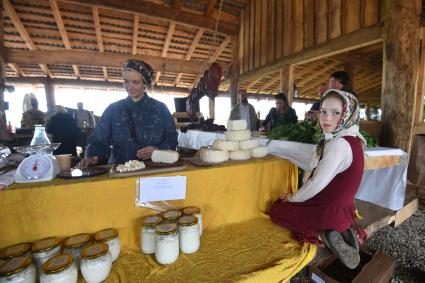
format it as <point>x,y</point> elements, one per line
<point>260,151</point>
<point>236,125</point>
<point>240,155</point>
<point>249,144</point>
<point>242,135</point>
<point>226,145</point>
<point>213,156</point>
<point>165,156</point>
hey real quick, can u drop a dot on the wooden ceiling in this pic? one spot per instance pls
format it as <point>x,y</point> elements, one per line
<point>181,30</point>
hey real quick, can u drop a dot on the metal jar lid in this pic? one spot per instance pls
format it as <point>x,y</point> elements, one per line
<point>15,265</point>
<point>191,210</point>
<point>106,235</point>
<point>171,215</point>
<point>166,229</point>
<point>151,221</point>
<point>95,250</point>
<point>45,244</point>
<point>76,241</point>
<point>57,264</point>
<point>15,250</point>
<point>188,220</point>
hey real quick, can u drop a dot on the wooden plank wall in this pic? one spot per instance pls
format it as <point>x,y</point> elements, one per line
<point>272,29</point>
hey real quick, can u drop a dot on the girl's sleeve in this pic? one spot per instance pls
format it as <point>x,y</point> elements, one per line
<point>337,157</point>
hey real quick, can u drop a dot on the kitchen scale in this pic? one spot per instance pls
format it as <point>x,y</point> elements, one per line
<point>40,166</point>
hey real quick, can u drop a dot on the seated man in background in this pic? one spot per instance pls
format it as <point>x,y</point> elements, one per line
<point>245,111</point>
<point>33,116</point>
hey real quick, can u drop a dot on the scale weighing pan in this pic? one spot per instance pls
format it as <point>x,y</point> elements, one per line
<point>82,173</point>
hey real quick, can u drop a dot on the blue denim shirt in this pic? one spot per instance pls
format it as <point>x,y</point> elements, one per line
<point>114,138</point>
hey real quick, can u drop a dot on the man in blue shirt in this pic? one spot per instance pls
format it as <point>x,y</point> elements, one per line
<point>134,127</point>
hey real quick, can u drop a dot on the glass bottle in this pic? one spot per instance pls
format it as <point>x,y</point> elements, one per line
<point>40,136</point>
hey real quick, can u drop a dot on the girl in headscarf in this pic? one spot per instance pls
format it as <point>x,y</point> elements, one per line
<point>131,128</point>
<point>323,208</point>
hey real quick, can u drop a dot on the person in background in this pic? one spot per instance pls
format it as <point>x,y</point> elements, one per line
<point>33,116</point>
<point>64,130</point>
<point>131,128</point>
<point>84,118</point>
<point>281,114</point>
<point>245,111</point>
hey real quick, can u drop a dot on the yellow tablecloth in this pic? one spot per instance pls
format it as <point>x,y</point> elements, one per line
<point>253,251</point>
<point>226,194</point>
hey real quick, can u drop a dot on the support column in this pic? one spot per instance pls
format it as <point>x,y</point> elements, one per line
<point>234,79</point>
<point>349,69</point>
<point>401,33</point>
<point>287,82</point>
<point>2,64</point>
<point>50,95</point>
<point>212,107</point>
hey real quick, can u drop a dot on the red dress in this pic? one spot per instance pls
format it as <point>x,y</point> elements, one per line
<point>331,209</point>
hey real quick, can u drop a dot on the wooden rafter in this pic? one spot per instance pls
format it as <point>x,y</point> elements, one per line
<point>98,29</point>
<point>167,42</point>
<point>59,22</point>
<point>269,83</point>
<point>157,77</point>
<point>319,74</point>
<point>210,7</point>
<point>16,69</point>
<point>194,43</point>
<point>11,13</point>
<point>177,79</point>
<point>254,82</point>
<point>135,33</point>
<point>220,49</point>
<point>155,10</point>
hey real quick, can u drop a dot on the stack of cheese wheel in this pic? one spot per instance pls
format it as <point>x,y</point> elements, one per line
<point>237,146</point>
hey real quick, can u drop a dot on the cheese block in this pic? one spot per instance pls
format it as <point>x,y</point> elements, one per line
<point>236,125</point>
<point>213,156</point>
<point>165,156</point>
<point>260,151</point>
<point>242,135</point>
<point>240,155</point>
<point>226,145</point>
<point>249,144</point>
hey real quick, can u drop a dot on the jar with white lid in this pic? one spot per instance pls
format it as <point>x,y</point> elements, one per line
<point>110,237</point>
<point>171,216</point>
<point>196,211</point>
<point>189,237</point>
<point>22,249</point>
<point>148,233</point>
<point>43,250</point>
<point>167,243</point>
<point>18,270</point>
<point>96,262</point>
<point>59,269</point>
<point>73,246</point>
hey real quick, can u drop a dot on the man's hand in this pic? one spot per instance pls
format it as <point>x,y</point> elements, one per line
<point>86,162</point>
<point>146,152</point>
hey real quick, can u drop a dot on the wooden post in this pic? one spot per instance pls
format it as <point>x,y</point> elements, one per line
<point>287,82</point>
<point>2,64</point>
<point>401,33</point>
<point>50,95</point>
<point>234,79</point>
<point>349,69</point>
<point>212,107</point>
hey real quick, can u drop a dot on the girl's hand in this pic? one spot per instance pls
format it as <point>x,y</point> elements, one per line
<point>284,197</point>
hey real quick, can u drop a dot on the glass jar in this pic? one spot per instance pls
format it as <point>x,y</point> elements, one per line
<point>73,245</point>
<point>59,269</point>
<point>96,262</point>
<point>189,237</point>
<point>43,250</point>
<point>40,136</point>
<point>18,270</point>
<point>110,236</point>
<point>171,216</point>
<point>196,211</point>
<point>22,249</point>
<point>148,233</point>
<point>167,243</point>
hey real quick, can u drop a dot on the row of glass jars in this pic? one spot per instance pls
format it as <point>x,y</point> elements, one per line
<point>95,260</point>
<point>170,232</point>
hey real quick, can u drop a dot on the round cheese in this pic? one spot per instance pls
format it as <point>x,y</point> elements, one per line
<point>260,151</point>
<point>242,135</point>
<point>236,125</point>
<point>213,156</point>
<point>240,155</point>
<point>249,144</point>
<point>226,145</point>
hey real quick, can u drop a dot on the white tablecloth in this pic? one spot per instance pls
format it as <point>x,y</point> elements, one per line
<point>385,187</point>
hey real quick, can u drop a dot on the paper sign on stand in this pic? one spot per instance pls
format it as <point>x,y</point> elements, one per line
<point>160,189</point>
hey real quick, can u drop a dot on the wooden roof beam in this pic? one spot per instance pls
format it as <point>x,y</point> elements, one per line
<point>135,33</point>
<point>269,83</point>
<point>220,49</point>
<point>254,82</point>
<point>210,7</point>
<point>98,29</point>
<point>194,43</point>
<point>157,77</point>
<point>155,10</point>
<point>17,70</point>
<point>59,22</point>
<point>11,13</point>
<point>168,39</point>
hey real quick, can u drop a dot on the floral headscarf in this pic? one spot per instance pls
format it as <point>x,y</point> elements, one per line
<point>144,69</point>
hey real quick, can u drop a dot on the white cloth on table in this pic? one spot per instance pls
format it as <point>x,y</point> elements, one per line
<point>7,178</point>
